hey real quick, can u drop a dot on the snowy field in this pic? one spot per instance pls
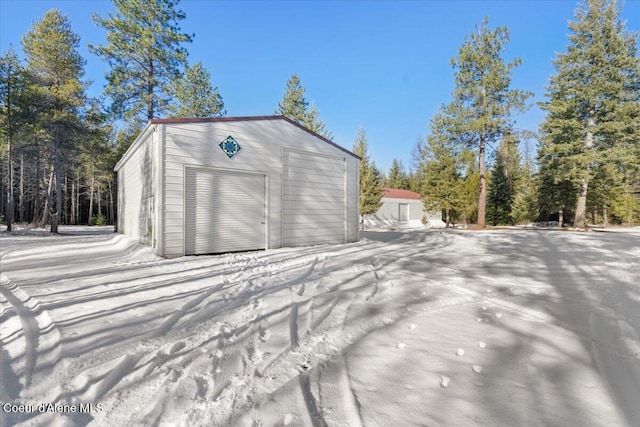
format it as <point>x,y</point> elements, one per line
<point>429,328</point>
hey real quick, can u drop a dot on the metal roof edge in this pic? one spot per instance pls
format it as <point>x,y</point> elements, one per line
<point>133,147</point>
<point>251,118</point>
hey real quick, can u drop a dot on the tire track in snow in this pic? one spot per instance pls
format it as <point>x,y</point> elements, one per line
<point>293,325</point>
<point>41,335</point>
<point>339,400</point>
<point>114,376</point>
<point>180,313</point>
<point>312,406</point>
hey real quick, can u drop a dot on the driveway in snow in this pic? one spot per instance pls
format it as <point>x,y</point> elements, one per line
<point>432,327</point>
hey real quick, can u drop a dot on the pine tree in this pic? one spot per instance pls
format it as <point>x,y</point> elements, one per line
<point>297,108</point>
<point>195,96</point>
<point>145,52</point>
<point>505,179</point>
<point>500,195</point>
<point>13,85</point>
<point>51,48</point>
<point>371,191</point>
<point>397,177</point>
<point>555,193</point>
<point>442,185</point>
<point>97,155</point>
<point>524,207</point>
<point>591,130</point>
<point>483,100</point>
<point>415,177</point>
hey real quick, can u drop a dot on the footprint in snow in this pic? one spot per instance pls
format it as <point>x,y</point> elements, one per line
<point>476,368</point>
<point>401,345</point>
<point>499,315</point>
<point>460,352</point>
<point>444,381</point>
<point>482,344</point>
<point>287,419</point>
<point>412,326</point>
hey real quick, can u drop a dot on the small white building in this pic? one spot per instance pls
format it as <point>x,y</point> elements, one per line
<point>200,186</point>
<point>402,208</point>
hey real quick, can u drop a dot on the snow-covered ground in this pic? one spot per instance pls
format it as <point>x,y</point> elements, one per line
<point>427,327</point>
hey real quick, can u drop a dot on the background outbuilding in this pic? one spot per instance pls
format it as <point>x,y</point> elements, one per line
<point>402,208</point>
<point>199,186</point>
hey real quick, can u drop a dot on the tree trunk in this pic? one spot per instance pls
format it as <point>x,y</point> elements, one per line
<point>482,200</point>
<point>447,219</point>
<point>9,213</point>
<point>21,205</point>
<point>37,199</point>
<point>77,197</point>
<point>581,206</point>
<point>99,201</point>
<point>73,202</point>
<point>150,91</point>
<point>605,217</point>
<point>111,218</point>
<point>56,214</point>
<point>47,201</point>
<point>91,202</point>
<point>561,217</point>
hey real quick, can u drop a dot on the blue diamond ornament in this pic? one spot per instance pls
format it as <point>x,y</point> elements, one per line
<point>230,146</point>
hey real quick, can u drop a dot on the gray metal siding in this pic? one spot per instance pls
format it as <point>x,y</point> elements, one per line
<point>224,211</point>
<point>390,210</point>
<point>262,142</point>
<point>313,199</point>
<point>137,204</point>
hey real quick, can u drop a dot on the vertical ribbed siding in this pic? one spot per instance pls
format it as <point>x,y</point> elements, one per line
<point>313,199</point>
<point>224,211</point>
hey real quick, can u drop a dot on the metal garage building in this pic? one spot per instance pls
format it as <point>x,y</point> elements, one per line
<point>200,186</point>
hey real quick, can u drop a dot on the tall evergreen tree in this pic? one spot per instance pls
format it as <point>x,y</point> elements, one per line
<point>505,178</point>
<point>97,155</point>
<point>145,52</point>
<point>483,100</point>
<point>195,96</point>
<point>51,48</point>
<point>370,178</point>
<point>397,177</point>
<point>443,184</point>
<point>592,127</point>
<point>297,108</point>
<point>555,193</point>
<point>13,85</point>
<point>500,194</point>
<point>414,177</point>
<point>524,207</point>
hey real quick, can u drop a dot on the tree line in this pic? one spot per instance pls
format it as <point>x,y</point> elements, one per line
<point>587,167</point>
<point>59,146</point>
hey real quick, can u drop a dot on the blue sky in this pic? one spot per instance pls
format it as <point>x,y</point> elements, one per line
<point>380,65</point>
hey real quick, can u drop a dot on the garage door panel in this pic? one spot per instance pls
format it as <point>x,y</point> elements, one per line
<point>224,211</point>
<point>321,194</point>
<point>313,199</point>
<point>313,170</point>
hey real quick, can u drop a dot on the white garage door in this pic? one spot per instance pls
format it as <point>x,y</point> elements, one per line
<point>403,212</point>
<point>224,211</point>
<point>314,199</point>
